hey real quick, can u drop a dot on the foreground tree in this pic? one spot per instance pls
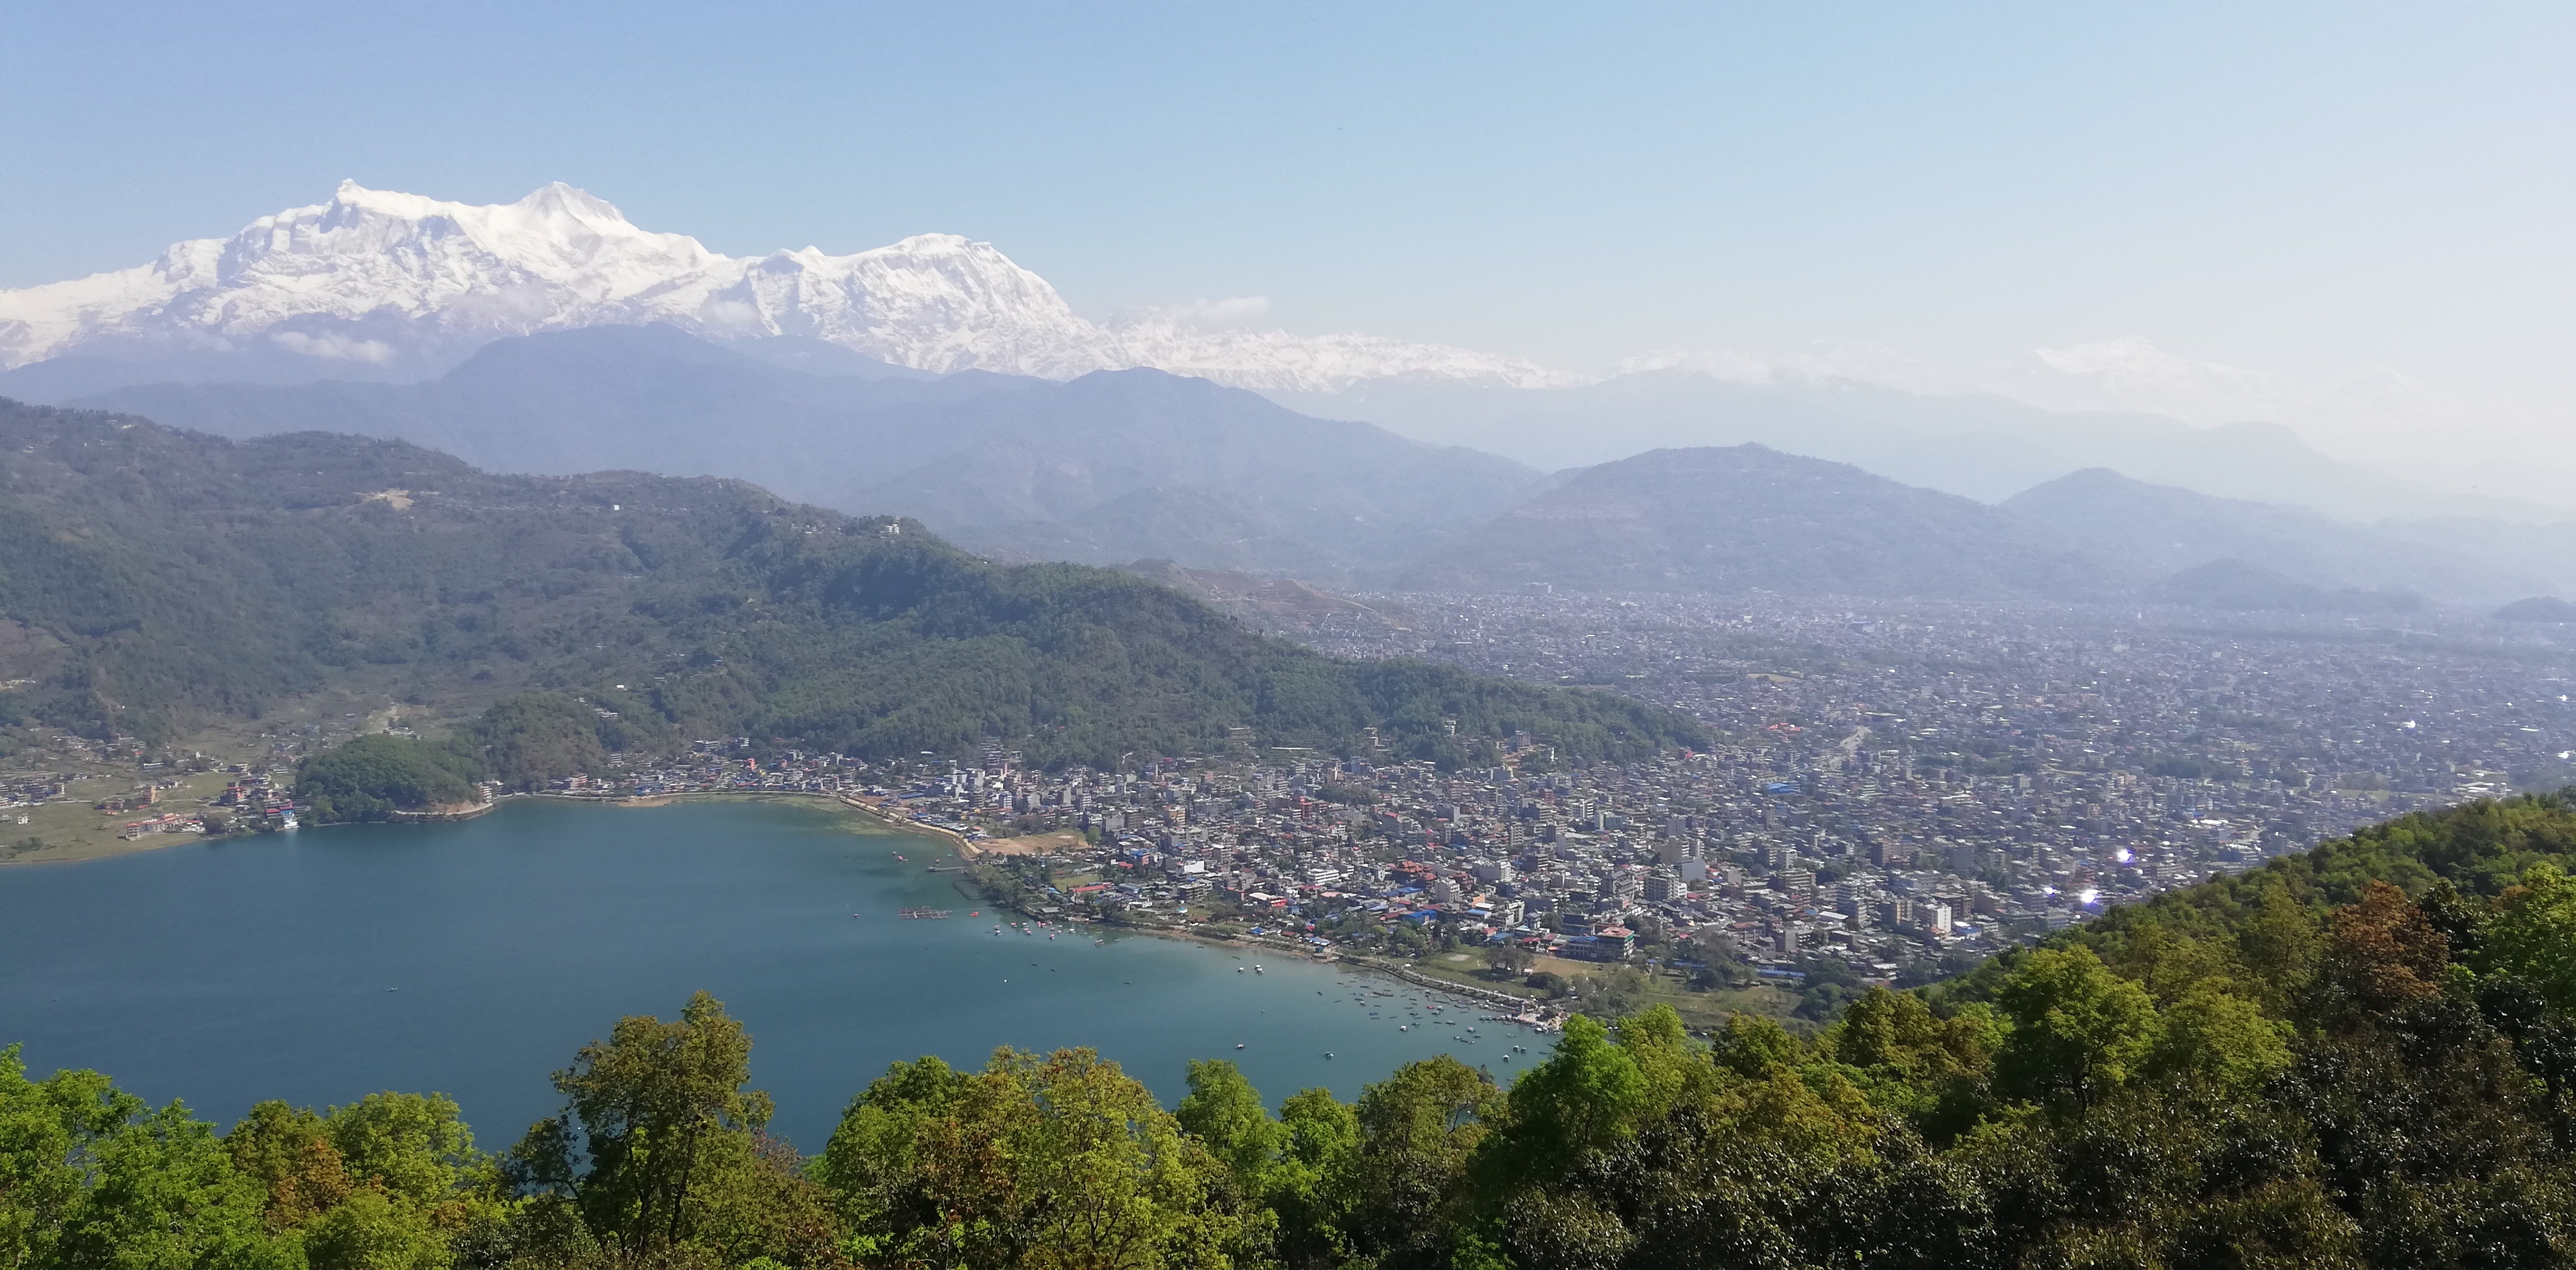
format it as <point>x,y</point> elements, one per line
<point>660,1154</point>
<point>1052,1161</point>
<point>90,1176</point>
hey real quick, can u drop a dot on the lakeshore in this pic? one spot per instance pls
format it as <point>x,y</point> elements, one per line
<point>323,965</point>
<point>883,818</point>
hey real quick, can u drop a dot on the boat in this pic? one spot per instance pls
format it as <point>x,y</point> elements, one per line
<point>1238,1045</point>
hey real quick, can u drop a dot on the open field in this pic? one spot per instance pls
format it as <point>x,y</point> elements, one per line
<point>1700,1010</point>
<point>1032,844</point>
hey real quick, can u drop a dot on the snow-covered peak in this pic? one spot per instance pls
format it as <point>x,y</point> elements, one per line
<point>374,274</point>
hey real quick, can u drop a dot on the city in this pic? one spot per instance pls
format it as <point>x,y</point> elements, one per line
<point>1901,789</point>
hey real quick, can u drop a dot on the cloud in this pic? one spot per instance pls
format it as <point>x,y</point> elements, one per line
<point>733,315</point>
<point>2373,414</point>
<point>1824,362</point>
<point>2130,373</point>
<point>334,346</point>
<point>1241,310</point>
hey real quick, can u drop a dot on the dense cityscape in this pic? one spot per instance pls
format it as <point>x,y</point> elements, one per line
<point>1900,788</point>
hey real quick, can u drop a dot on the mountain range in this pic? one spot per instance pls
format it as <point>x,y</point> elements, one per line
<point>1981,446</point>
<point>1749,518</point>
<point>382,285</point>
<point>375,285</point>
<point>938,379</point>
<point>1110,467</point>
<point>1141,465</point>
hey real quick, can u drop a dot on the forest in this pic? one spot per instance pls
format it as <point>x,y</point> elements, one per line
<point>2358,1056</point>
<point>151,579</point>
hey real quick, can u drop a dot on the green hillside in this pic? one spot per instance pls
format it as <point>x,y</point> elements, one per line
<point>151,577</point>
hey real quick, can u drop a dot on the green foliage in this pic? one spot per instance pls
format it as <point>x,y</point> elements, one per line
<point>370,777</point>
<point>1039,1160</point>
<point>92,1177</point>
<point>2078,1031</point>
<point>1225,1114</point>
<point>655,1118</point>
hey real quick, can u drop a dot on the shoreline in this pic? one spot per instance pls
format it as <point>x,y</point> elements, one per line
<point>967,850</point>
<point>882,817</point>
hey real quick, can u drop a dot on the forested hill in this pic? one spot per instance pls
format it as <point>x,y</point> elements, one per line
<point>148,575</point>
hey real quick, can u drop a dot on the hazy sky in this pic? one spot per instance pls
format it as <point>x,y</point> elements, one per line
<point>2305,191</point>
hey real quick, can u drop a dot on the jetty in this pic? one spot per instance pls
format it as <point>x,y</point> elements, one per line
<point>923,914</point>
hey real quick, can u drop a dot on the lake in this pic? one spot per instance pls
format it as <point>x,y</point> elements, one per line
<point>474,958</point>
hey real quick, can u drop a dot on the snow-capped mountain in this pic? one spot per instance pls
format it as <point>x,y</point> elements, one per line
<point>379,277</point>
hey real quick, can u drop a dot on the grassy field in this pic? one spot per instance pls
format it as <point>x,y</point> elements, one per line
<point>70,830</point>
<point>1700,1010</point>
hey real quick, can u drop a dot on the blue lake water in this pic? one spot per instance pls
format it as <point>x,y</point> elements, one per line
<point>474,958</point>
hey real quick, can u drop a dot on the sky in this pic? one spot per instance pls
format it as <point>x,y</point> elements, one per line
<point>2350,216</point>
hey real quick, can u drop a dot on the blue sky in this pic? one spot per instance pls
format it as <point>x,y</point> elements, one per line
<point>2303,189</point>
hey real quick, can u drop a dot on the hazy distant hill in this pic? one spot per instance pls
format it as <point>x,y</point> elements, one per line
<point>1751,518</point>
<point>1120,465</point>
<point>1109,467</point>
<point>2538,608</point>
<point>1272,604</point>
<point>2237,586</point>
<point>2546,552</point>
<point>1983,447</point>
<point>148,574</point>
<point>2155,530</point>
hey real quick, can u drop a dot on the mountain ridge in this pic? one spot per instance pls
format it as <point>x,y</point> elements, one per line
<point>1019,466</point>
<point>407,285</point>
<point>153,574</point>
<point>2148,528</point>
<point>1747,517</point>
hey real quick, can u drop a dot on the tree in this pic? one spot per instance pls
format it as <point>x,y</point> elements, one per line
<point>2532,935</point>
<point>2221,1040</point>
<point>1613,992</point>
<point>1037,1160</point>
<point>653,1117</point>
<point>1754,1046</point>
<point>1583,1098</point>
<point>91,1176</point>
<point>1225,1114</point>
<point>369,777</point>
<point>1311,1185</point>
<point>2078,1031</point>
<point>1510,958</point>
<point>1418,1129</point>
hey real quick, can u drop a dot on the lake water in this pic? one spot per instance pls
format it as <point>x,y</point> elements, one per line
<point>474,958</point>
